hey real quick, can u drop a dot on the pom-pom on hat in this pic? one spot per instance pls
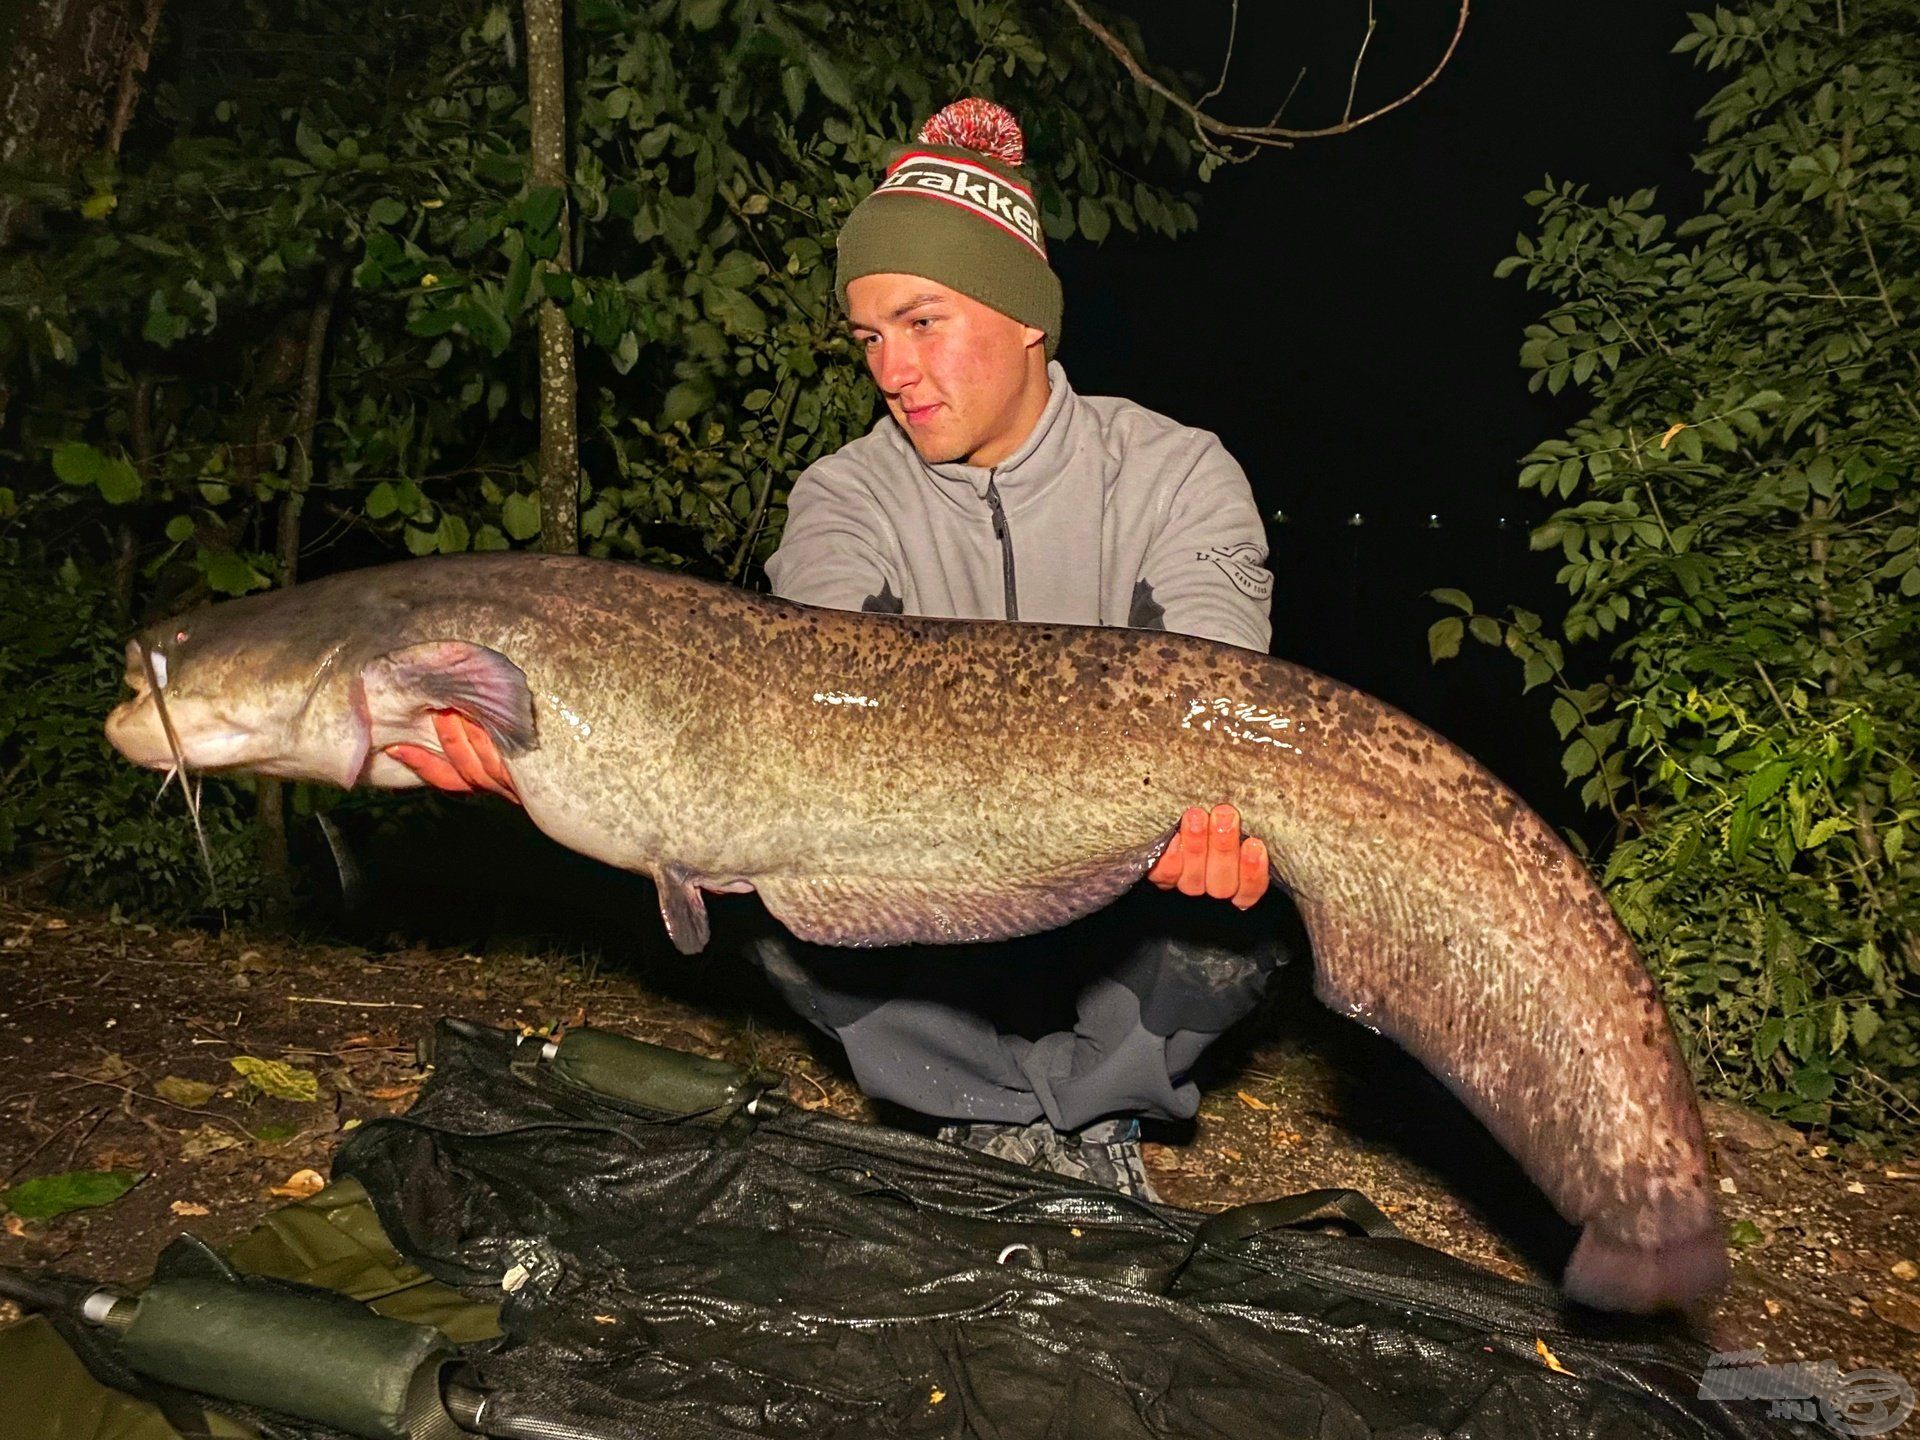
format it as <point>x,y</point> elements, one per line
<point>978,125</point>
<point>955,208</point>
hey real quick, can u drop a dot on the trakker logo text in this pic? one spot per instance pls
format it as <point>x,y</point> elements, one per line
<point>978,189</point>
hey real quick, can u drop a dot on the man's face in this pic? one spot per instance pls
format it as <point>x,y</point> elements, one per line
<point>960,377</point>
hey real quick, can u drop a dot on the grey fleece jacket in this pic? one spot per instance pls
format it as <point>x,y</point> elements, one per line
<point>1109,514</point>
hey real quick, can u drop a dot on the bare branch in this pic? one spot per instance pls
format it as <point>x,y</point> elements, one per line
<point>1219,136</point>
<point>1292,90</point>
<point>1226,60</point>
<point>1353,84</point>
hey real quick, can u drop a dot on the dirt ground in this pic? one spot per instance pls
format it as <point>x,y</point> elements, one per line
<point>100,1018</point>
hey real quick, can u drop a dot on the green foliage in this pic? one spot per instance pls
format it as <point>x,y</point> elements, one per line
<point>154,337</point>
<point>68,803</point>
<point>1738,524</point>
<point>51,1195</point>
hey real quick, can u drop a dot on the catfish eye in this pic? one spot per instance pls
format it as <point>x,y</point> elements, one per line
<point>178,636</point>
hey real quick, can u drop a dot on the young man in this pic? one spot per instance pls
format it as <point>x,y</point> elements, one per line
<point>993,491</point>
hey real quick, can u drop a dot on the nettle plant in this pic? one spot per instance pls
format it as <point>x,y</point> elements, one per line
<point>1737,517</point>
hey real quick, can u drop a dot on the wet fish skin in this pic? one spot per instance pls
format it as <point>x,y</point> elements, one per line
<point>869,776</point>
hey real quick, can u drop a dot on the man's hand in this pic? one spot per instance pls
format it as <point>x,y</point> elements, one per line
<point>1207,857</point>
<point>466,761</point>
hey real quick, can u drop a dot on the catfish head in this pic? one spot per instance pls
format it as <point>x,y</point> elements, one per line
<point>306,684</point>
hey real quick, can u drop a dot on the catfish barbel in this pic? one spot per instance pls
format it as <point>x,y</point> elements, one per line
<point>885,779</point>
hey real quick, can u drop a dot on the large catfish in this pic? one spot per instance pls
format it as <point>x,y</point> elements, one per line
<point>883,779</point>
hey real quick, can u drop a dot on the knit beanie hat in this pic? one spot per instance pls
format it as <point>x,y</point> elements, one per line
<point>955,209</point>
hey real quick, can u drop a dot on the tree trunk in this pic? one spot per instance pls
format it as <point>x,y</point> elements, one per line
<point>559,438</point>
<point>306,419</point>
<point>72,71</point>
<point>271,794</point>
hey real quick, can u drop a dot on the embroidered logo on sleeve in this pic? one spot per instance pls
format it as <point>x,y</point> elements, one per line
<point>1240,562</point>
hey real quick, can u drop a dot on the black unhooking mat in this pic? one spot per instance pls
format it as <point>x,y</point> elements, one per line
<point>791,1274</point>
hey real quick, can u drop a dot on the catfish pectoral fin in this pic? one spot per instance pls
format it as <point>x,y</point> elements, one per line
<point>479,683</point>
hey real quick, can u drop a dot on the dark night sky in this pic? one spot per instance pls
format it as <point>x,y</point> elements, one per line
<point>1336,320</point>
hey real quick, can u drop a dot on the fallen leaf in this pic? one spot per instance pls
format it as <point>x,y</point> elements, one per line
<point>13,1225</point>
<point>207,1140</point>
<point>395,1092</point>
<point>1252,1102</point>
<point>1901,1175</point>
<point>605,1320</point>
<point>1897,1307</point>
<point>936,1395</point>
<point>56,924</point>
<point>51,1195</point>
<point>1856,1188</point>
<point>1553,1361</point>
<point>1905,1270</point>
<point>1727,1187</point>
<point>1774,1307</point>
<point>187,1207</point>
<point>181,1091</point>
<point>301,1184</point>
<point>277,1078</point>
<point>110,1067</point>
<point>1672,430</point>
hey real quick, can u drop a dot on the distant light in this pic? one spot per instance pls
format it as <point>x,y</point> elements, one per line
<point>1433,522</point>
<point>1356,519</point>
<point>1280,517</point>
<point>1501,523</point>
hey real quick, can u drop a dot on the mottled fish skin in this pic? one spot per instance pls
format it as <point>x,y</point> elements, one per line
<point>871,775</point>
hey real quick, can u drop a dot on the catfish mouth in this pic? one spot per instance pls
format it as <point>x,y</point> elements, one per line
<point>128,730</point>
<point>134,726</point>
<point>143,728</point>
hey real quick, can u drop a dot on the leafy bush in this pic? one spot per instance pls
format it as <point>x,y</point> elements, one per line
<point>73,813</point>
<point>1738,524</point>
<point>155,338</point>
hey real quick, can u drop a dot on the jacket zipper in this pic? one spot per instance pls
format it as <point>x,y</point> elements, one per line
<point>1005,536</point>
